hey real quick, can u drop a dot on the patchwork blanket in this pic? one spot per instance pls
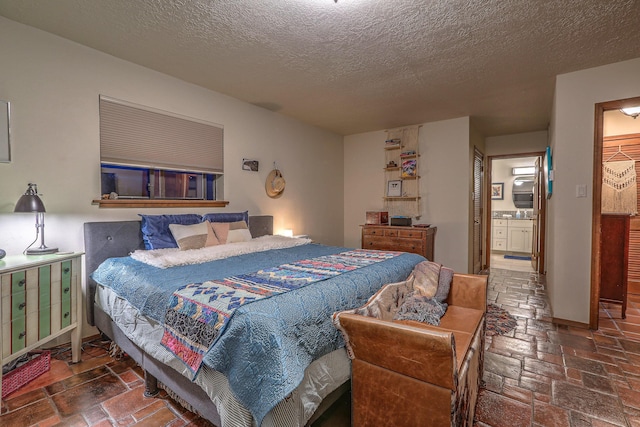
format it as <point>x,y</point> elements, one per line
<point>264,347</point>
<point>198,312</point>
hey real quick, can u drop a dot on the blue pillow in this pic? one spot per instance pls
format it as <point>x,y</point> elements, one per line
<point>227,217</point>
<point>155,229</point>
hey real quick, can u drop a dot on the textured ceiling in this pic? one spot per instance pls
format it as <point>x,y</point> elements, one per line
<point>360,65</point>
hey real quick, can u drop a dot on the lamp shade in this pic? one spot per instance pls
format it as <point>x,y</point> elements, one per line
<point>29,201</point>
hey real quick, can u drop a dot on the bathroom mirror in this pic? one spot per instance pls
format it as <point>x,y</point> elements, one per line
<point>5,150</point>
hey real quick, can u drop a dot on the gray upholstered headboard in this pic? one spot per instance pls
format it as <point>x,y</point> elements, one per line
<point>110,239</point>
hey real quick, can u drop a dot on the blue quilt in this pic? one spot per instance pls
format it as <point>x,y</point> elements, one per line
<point>199,312</point>
<point>267,344</point>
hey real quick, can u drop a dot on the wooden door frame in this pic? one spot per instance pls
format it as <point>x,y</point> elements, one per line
<point>596,210</point>
<point>487,190</point>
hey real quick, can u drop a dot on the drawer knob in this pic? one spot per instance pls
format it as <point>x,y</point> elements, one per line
<point>22,306</point>
<point>65,290</point>
<point>66,270</point>
<point>66,315</point>
<point>22,335</point>
<point>22,282</point>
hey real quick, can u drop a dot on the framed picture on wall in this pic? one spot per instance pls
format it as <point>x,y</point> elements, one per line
<point>394,188</point>
<point>497,191</point>
<point>409,168</point>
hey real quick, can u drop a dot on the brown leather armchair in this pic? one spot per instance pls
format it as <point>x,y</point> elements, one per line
<point>408,373</point>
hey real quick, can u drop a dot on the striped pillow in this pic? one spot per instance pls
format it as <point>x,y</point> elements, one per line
<point>194,236</point>
<point>231,232</point>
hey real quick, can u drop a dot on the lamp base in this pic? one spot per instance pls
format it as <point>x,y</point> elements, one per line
<point>41,251</point>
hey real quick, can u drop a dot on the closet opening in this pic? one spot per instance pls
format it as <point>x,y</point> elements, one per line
<point>615,272</point>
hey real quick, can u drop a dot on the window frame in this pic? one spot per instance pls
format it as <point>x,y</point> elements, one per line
<point>144,138</point>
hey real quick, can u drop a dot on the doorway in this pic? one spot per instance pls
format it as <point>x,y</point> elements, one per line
<point>515,212</point>
<point>617,142</point>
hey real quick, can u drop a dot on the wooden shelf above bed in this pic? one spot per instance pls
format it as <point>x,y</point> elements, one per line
<point>156,203</point>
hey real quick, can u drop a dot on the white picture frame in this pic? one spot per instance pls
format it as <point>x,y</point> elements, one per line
<point>394,188</point>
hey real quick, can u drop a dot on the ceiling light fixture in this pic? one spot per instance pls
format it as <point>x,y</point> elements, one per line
<point>631,111</point>
<point>527,170</point>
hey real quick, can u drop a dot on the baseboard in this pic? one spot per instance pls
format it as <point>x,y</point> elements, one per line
<point>572,323</point>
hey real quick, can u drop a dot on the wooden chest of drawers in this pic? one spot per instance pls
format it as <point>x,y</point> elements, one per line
<point>406,239</point>
<point>41,300</point>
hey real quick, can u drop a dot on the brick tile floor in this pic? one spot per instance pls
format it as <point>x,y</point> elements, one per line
<point>99,391</point>
<point>542,374</point>
<point>538,375</point>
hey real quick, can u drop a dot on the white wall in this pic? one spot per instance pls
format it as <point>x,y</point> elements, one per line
<point>518,143</point>
<point>572,143</point>
<point>364,184</point>
<point>53,86</point>
<point>617,123</point>
<point>444,185</point>
<point>446,188</point>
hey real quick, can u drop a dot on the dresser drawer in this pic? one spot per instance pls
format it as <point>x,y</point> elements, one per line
<point>500,232</point>
<point>413,246</point>
<point>16,336</point>
<point>411,234</point>
<point>390,244</point>
<point>373,231</point>
<point>500,223</point>
<point>14,283</point>
<point>380,232</point>
<point>499,244</point>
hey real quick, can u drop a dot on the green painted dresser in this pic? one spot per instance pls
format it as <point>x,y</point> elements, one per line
<point>41,300</point>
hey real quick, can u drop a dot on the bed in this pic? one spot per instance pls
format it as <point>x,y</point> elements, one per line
<point>274,361</point>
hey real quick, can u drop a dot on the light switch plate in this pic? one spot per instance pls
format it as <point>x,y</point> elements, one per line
<point>581,190</point>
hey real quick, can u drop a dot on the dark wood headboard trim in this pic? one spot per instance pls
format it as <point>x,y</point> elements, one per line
<point>111,239</point>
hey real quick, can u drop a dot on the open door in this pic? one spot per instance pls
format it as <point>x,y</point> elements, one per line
<point>537,192</point>
<point>539,218</point>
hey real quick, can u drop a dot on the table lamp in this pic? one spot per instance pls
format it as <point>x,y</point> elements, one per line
<point>31,202</point>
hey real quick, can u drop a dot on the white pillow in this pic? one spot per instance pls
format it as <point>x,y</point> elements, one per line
<point>239,235</point>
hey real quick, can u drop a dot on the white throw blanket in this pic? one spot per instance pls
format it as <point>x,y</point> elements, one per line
<point>164,258</point>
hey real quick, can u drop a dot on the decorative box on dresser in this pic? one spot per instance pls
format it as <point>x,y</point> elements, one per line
<point>40,302</point>
<point>417,240</point>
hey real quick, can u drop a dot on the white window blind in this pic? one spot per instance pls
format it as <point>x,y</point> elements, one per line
<point>135,135</point>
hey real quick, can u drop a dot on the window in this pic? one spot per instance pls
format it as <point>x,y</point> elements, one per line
<point>142,183</point>
<point>152,154</point>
